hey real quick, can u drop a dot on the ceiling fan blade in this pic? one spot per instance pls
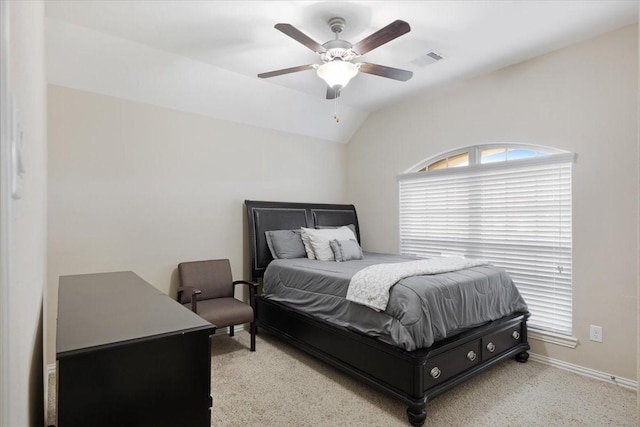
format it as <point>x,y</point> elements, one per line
<point>384,71</point>
<point>300,37</point>
<point>382,36</point>
<point>332,93</point>
<point>285,71</point>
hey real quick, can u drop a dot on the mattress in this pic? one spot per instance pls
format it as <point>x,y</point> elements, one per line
<point>421,309</point>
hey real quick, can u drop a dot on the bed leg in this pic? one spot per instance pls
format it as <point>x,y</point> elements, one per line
<point>417,414</point>
<point>522,357</point>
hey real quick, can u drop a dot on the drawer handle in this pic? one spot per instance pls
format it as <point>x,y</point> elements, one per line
<point>491,347</point>
<point>516,335</point>
<point>436,372</point>
<point>471,355</point>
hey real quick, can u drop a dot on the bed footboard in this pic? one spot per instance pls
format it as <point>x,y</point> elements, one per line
<point>414,377</point>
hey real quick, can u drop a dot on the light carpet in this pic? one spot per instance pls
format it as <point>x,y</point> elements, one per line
<point>281,386</point>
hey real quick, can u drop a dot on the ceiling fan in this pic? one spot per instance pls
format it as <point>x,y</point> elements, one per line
<point>337,68</point>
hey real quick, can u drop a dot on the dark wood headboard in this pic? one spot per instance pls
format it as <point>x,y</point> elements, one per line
<point>265,216</point>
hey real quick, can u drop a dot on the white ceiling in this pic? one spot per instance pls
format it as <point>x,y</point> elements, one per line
<point>203,56</point>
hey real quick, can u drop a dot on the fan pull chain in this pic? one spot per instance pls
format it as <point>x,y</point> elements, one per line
<point>336,117</point>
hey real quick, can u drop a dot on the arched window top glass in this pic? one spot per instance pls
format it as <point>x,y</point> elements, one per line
<point>483,154</point>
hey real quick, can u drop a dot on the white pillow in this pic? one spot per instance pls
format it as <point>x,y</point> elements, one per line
<point>319,240</point>
<point>307,244</point>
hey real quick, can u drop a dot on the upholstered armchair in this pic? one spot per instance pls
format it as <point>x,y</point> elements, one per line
<point>207,288</point>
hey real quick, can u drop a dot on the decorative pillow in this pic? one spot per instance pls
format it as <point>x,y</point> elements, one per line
<point>325,227</point>
<point>320,239</point>
<point>307,244</point>
<point>285,244</point>
<point>346,250</point>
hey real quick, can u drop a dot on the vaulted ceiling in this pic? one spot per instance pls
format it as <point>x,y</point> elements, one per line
<point>203,56</point>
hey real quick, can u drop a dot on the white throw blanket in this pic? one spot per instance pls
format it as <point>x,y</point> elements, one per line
<point>370,286</point>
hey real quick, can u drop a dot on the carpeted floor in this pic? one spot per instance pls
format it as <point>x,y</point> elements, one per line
<point>281,386</point>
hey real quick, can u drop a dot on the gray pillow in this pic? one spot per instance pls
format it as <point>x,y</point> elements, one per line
<point>285,244</point>
<point>349,226</point>
<point>346,250</point>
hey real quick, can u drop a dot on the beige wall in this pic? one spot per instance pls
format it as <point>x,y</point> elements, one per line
<point>581,99</point>
<point>27,216</point>
<point>142,188</point>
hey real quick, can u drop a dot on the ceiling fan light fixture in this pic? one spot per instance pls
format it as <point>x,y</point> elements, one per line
<point>337,73</point>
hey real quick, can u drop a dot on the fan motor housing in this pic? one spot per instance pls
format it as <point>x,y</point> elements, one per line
<point>337,44</point>
<point>338,49</point>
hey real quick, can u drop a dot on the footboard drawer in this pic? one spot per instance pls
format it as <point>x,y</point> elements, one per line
<point>497,343</point>
<point>451,363</point>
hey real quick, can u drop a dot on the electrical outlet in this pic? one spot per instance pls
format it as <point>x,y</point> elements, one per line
<point>595,333</point>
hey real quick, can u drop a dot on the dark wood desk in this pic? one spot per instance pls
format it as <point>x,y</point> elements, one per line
<point>128,355</point>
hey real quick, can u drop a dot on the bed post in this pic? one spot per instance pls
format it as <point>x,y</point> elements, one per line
<point>417,413</point>
<point>523,356</point>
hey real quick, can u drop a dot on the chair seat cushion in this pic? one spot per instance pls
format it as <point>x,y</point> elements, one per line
<point>224,312</point>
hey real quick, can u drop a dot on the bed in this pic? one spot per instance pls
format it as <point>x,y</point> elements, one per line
<point>413,376</point>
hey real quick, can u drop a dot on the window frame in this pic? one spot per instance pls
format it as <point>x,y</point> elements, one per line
<point>475,152</point>
<point>552,155</point>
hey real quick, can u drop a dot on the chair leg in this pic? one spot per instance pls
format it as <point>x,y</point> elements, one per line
<point>253,329</point>
<point>231,330</point>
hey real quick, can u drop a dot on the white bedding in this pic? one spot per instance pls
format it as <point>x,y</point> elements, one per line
<point>370,286</point>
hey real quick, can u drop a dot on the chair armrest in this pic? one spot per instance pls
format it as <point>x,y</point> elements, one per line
<point>192,293</point>
<point>253,286</point>
<point>246,282</point>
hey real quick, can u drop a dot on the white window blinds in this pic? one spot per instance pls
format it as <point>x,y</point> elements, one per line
<point>515,214</point>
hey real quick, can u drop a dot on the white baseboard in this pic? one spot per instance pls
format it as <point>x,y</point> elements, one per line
<point>587,372</point>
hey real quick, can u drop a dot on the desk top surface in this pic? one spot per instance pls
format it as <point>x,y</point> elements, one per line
<point>107,309</point>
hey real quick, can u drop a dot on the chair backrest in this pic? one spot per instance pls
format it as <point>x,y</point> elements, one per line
<point>212,277</point>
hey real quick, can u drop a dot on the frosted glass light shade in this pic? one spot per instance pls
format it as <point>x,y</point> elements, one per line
<point>337,73</point>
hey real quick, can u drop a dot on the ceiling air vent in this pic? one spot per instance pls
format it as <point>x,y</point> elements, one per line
<point>427,59</point>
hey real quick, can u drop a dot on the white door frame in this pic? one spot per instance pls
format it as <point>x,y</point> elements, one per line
<point>5,214</point>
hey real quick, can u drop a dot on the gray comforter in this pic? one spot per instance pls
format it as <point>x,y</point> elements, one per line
<point>421,309</point>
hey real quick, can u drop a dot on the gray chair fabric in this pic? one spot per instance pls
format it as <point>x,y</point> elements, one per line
<point>215,302</point>
<point>224,312</point>
<point>213,278</point>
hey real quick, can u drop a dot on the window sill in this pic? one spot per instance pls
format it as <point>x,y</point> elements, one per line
<point>553,338</point>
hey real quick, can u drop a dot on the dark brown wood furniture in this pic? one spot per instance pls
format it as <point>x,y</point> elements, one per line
<point>207,289</point>
<point>128,355</point>
<point>414,377</point>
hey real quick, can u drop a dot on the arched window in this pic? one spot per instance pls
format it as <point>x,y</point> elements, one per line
<point>483,154</point>
<point>508,203</point>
